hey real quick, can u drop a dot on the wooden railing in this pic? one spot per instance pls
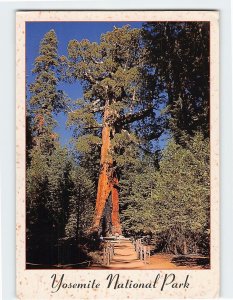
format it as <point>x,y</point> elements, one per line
<point>108,253</point>
<point>143,252</point>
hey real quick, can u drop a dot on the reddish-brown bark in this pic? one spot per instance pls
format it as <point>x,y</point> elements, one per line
<point>104,186</point>
<point>40,122</point>
<point>108,182</point>
<point>116,227</point>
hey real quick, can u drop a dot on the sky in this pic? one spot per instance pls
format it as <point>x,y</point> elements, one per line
<point>65,32</point>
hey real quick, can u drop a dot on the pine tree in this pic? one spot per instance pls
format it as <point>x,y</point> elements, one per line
<point>81,203</point>
<point>46,99</point>
<point>138,184</point>
<point>46,160</point>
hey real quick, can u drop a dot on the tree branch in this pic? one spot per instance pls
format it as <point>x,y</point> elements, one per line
<point>94,127</point>
<point>138,144</point>
<point>97,62</point>
<point>97,109</point>
<point>96,102</point>
<point>67,106</point>
<point>87,73</point>
<point>129,118</point>
<point>92,107</point>
<point>90,78</point>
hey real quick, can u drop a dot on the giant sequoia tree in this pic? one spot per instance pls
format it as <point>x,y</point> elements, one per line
<point>111,74</point>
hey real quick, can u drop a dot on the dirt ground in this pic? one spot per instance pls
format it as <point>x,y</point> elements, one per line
<point>125,257</point>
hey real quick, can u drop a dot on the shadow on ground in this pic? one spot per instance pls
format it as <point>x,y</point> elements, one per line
<point>66,254</point>
<point>191,261</point>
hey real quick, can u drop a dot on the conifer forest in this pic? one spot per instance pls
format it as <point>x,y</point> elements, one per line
<point>117,141</point>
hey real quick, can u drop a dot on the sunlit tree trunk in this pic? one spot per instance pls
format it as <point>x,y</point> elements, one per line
<point>116,226</point>
<point>108,182</point>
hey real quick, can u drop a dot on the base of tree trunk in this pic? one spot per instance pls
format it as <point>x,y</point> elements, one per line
<point>117,230</point>
<point>114,229</point>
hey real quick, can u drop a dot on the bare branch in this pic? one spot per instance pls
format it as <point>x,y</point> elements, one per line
<point>90,78</point>
<point>133,99</point>
<point>94,127</point>
<point>97,109</point>
<point>96,102</point>
<point>67,106</point>
<point>129,118</point>
<point>97,62</point>
<point>88,74</point>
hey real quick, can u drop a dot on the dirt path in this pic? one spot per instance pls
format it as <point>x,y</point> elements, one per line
<point>125,257</point>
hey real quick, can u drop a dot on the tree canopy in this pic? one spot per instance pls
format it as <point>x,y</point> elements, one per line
<point>178,57</point>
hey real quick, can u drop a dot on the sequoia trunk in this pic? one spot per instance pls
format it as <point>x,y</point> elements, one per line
<point>108,182</point>
<point>116,227</point>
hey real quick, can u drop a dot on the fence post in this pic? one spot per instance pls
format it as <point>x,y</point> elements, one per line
<point>108,257</point>
<point>144,252</point>
<point>104,256</point>
<point>148,254</point>
<point>108,253</point>
<point>141,252</point>
<point>111,252</point>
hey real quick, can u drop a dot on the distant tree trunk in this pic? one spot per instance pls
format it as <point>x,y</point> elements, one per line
<point>78,203</point>
<point>108,182</point>
<point>185,247</point>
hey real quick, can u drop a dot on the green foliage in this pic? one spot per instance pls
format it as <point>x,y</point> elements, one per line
<point>125,150</point>
<point>87,143</point>
<point>147,81</point>
<point>111,73</point>
<point>55,209</point>
<point>45,97</point>
<point>178,65</point>
<point>136,206</point>
<point>52,175</point>
<point>182,183</point>
<point>173,202</point>
<point>82,118</point>
<point>44,88</point>
<point>81,204</point>
<point>47,184</point>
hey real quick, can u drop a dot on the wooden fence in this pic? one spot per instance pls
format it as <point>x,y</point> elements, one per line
<point>108,253</point>
<point>143,252</point>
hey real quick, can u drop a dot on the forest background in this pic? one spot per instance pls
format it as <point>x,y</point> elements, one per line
<point>157,75</point>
